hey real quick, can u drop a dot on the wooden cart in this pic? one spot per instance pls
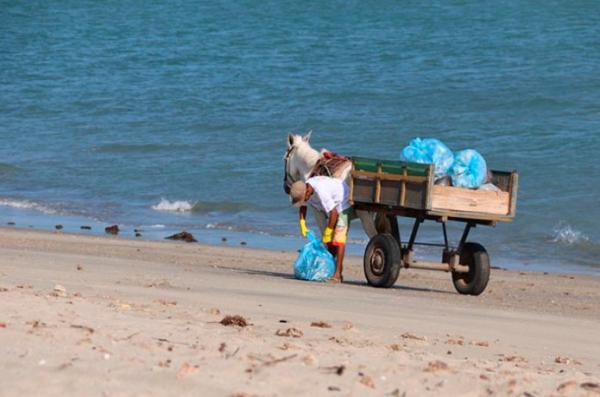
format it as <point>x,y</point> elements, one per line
<point>395,188</point>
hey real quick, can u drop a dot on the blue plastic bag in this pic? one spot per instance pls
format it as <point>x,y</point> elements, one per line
<point>429,151</point>
<point>314,263</point>
<point>469,169</point>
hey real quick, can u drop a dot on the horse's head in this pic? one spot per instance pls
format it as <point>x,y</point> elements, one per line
<point>295,161</point>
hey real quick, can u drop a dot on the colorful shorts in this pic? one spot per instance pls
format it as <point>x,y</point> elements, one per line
<point>342,227</point>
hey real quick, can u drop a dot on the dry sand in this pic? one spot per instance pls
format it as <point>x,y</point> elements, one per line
<point>96,316</point>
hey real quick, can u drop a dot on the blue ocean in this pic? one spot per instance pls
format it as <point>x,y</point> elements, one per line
<point>170,116</point>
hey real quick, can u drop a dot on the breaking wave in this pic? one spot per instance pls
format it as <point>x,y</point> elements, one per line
<point>565,234</point>
<point>26,204</point>
<point>173,206</point>
<point>201,206</point>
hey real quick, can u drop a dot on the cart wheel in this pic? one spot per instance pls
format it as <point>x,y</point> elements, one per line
<point>382,261</point>
<point>478,260</point>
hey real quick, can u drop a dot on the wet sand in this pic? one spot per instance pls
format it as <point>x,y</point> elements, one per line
<point>102,316</point>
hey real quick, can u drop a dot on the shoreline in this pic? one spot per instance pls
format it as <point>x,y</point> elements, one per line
<point>223,237</point>
<point>101,315</point>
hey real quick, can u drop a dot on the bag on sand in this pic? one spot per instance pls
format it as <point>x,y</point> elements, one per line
<point>429,151</point>
<point>314,263</point>
<point>469,169</point>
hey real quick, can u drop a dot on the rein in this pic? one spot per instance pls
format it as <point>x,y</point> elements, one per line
<point>287,177</point>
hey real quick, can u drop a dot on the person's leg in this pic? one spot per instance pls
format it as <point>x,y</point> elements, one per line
<point>339,242</point>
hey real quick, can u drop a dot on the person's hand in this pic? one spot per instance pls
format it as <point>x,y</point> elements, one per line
<point>303,228</point>
<point>327,235</point>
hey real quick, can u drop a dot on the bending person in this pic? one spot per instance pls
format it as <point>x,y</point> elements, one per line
<point>329,195</point>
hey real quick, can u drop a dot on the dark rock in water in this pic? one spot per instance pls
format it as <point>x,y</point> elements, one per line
<point>137,230</point>
<point>114,229</point>
<point>184,236</point>
<point>223,239</point>
<point>86,227</point>
<point>243,243</point>
<point>11,223</point>
<point>58,227</point>
<point>138,235</point>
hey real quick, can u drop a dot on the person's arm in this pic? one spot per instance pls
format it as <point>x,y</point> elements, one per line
<point>302,217</point>
<point>328,233</point>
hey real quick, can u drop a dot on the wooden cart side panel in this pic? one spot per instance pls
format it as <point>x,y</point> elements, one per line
<point>514,190</point>
<point>451,198</point>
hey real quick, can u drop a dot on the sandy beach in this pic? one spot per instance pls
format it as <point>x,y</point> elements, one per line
<point>102,316</point>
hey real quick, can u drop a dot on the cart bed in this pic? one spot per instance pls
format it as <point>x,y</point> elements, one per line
<point>405,188</point>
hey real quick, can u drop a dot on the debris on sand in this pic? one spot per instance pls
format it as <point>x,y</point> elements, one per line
<point>336,369</point>
<point>3,289</point>
<point>79,267</point>
<point>514,359</point>
<point>436,366</point>
<point>290,332</point>
<point>2,325</point>
<point>186,369</point>
<point>214,311</point>
<point>458,342</point>
<point>183,236</point>
<point>59,291</point>
<point>481,343</point>
<point>408,335</point>
<point>566,360</point>
<point>166,302</point>
<point>320,324</point>
<point>83,327</point>
<point>395,347</point>
<point>590,386</point>
<point>235,321</point>
<point>114,229</point>
<point>566,386</point>
<point>367,381</point>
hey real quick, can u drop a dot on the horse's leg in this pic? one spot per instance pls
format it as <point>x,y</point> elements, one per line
<point>368,222</point>
<point>320,218</point>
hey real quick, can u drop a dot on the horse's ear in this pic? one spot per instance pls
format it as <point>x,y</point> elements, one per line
<point>306,137</point>
<point>290,140</point>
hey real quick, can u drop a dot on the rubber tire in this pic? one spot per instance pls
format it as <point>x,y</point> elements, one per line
<point>475,281</point>
<point>387,249</point>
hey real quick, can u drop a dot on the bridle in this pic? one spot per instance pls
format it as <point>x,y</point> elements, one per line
<point>288,179</point>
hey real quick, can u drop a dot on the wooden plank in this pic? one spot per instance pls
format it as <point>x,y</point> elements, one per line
<point>514,188</point>
<point>378,185</point>
<point>467,200</point>
<point>402,202</point>
<point>388,177</point>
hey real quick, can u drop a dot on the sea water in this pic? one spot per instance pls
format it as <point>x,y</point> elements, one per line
<point>164,116</point>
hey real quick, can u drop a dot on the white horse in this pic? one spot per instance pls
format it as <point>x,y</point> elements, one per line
<point>299,160</point>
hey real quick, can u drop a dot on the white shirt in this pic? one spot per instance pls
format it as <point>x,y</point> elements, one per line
<point>329,193</point>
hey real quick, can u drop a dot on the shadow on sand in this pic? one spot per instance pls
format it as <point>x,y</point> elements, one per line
<point>290,276</point>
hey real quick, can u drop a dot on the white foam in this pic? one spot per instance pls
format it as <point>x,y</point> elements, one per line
<point>26,204</point>
<point>567,235</point>
<point>173,206</point>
